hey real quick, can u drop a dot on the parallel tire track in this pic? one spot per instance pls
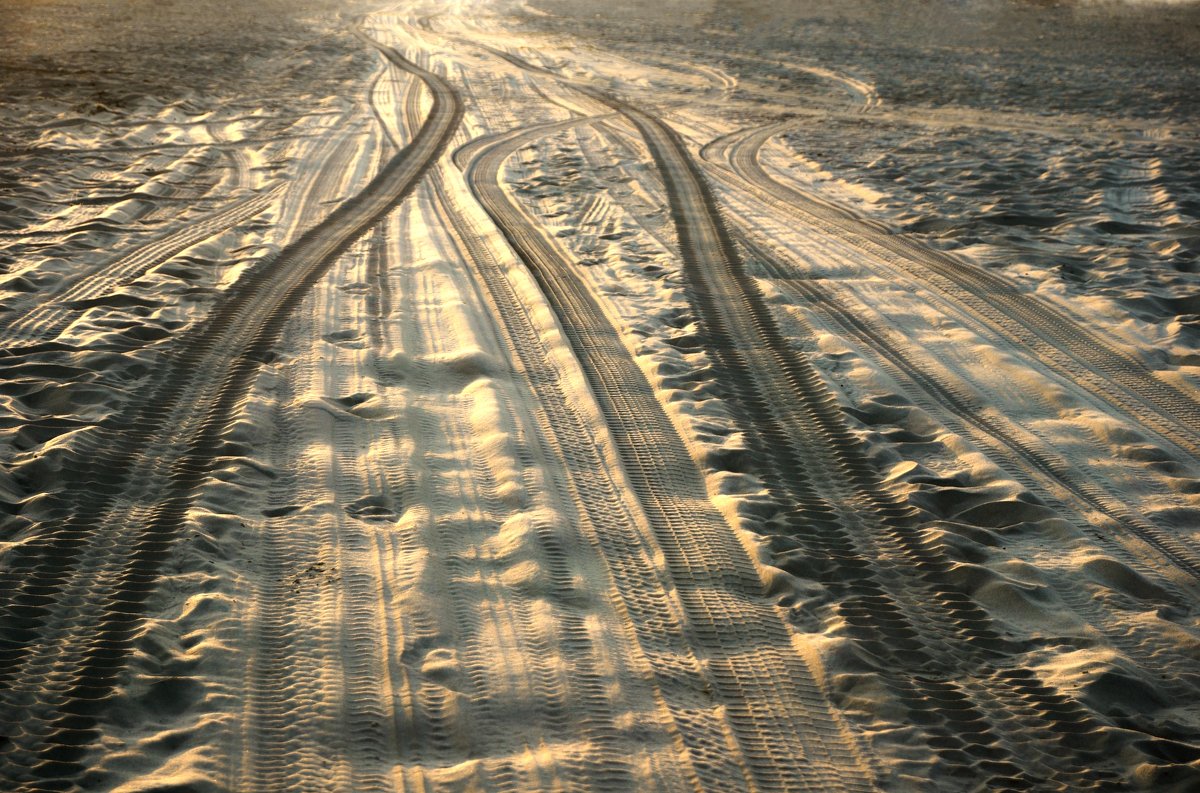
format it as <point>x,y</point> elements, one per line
<point>786,402</point>
<point>1007,440</point>
<point>834,487</point>
<point>788,405</point>
<point>788,736</point>
<point>1082,356</point>
<point>45,321</point>
<point>1023,455</point>
<point>1018,451</point>
<point>596,721</point>
<point>203,381</point>
<point>100,495</point>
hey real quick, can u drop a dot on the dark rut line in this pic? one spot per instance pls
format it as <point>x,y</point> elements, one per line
<point>1144,645</point>
<point>604,521</point>
<point>1059,470</point>
<point>787,733</point>
<point>1078,354</point>
<point>205,375</point>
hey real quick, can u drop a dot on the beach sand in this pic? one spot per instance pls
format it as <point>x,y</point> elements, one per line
<point>556,395</point>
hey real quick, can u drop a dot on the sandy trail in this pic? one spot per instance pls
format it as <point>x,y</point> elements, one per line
<point>527,415</point>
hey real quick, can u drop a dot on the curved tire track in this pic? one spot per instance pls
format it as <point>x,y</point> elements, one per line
<point>583,685</point>
<point>201,386</point>
<point>838,505</point>
<point>869,541</point>
<point>44,322</point>
<point>787,733</point>
<point>1080,355</point>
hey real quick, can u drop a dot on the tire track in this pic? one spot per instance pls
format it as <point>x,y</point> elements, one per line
<point>36,330</point>
<point>954,400</point>
<point>871,537</point>
<point>785,400</point>
<point>1021,454</point>
<point>33,330</point>
<point>364,727</point>
<point>480,608</point>
<point>565,708</point>
<point>204,379</point>
<point>1013,440</point>
<point>575,706</point>
<point>96,565</point>
<point>1098,368</point>
<point>310,190</point>
<point>438,523</point>
<point>1025,456</point>
<point>286,705</point>
<point>318,711</point>
<point>816,510</point>
<point>1048,468</point>
<point>415,725</point>
<point>1005,441</point>
<point>1001,437</point>
<point>788,736</point>
<point>446,718</point>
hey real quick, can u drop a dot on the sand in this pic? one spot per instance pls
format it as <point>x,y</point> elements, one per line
<point>538,396</point>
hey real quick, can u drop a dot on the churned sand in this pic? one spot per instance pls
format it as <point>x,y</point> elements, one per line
<point>501,396</point>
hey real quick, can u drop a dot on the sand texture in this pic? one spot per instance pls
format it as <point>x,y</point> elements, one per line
<point>562,396</point>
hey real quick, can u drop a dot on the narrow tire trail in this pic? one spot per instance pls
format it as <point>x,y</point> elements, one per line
<point>35,329</point>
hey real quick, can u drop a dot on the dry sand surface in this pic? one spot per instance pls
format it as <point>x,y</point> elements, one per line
<point>599,396</point>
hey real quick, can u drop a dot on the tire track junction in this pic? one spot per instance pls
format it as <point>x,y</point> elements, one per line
<point>892,578</point>
<point>865,543</point>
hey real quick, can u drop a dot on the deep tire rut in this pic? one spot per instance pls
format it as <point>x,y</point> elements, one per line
<point>832,488</point>
<point>891,577</point>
